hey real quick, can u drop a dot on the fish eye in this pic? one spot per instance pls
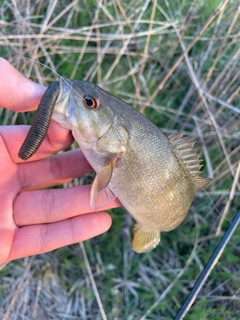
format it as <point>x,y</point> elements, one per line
<point>91,102</point>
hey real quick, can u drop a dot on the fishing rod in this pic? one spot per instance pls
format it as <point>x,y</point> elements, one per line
<point>210,265</point>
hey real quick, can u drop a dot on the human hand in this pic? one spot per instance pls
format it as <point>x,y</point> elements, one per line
<point>34,221</point>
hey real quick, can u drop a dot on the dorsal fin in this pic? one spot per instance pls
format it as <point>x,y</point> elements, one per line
<point>190,157</point>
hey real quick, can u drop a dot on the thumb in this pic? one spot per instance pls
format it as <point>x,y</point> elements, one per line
<point>17,91</point>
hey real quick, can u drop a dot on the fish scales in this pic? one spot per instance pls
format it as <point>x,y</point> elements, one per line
<point>151,177</point>
<point>155,177</point>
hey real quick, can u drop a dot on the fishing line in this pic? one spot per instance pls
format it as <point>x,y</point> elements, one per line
<point>54,72</point>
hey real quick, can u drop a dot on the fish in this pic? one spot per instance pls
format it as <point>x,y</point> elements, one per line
<point>155,177</point>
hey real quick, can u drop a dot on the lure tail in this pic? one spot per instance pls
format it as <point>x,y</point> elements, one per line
<point>41,122</point>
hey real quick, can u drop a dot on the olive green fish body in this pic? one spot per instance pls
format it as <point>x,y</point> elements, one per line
<point>150,181</point>
<point>154,177</point>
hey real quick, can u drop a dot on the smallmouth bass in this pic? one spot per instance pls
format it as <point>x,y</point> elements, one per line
<point>155,177</point>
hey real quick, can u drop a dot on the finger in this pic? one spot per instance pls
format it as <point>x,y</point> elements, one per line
<point>6,239</point>
<point>57,139</point>
<point>31,240</point>
<point>46,206</point>
<point>18,92</point>
<point>52,171</point>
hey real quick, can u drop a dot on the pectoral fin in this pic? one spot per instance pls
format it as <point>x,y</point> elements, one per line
<point>144,239</point>
<point>101,195</point>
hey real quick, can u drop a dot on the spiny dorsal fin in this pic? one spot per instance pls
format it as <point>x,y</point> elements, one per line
<point>190,157</point>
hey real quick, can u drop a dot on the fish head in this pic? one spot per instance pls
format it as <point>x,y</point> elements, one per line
<point>83,108</point>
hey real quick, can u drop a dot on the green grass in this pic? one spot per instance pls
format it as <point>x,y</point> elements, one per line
<point>152,285</point>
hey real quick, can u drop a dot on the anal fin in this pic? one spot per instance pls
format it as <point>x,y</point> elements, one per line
<point>144,239</point>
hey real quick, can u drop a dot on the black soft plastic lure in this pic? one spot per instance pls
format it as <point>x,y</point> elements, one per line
<point>41,122</point>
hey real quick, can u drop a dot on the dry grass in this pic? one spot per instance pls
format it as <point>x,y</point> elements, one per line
<point>166,59</point>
